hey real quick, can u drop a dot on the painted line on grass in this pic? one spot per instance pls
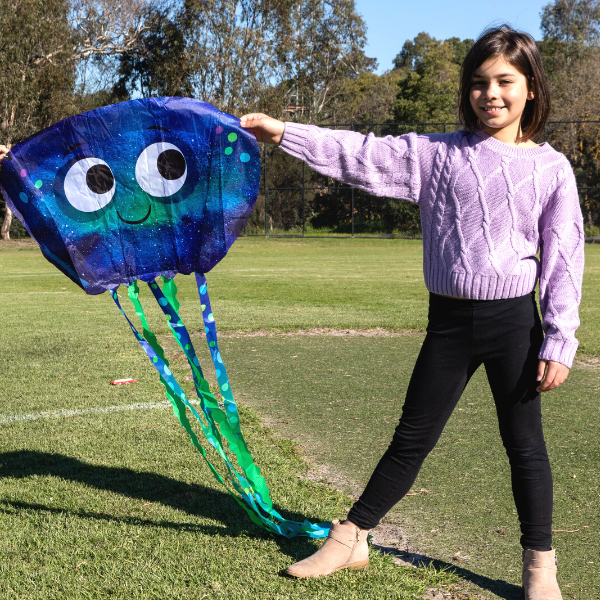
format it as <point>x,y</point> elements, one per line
<point>61,414</point>
<point>28,293</point>
<point>32,275</point>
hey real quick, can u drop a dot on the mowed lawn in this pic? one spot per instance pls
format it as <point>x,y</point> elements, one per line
<point>118,504</point>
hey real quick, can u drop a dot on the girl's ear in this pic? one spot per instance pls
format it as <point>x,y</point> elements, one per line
<point>531,91</point>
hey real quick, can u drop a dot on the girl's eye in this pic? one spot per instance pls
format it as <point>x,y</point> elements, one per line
<point>161,169</point>
<point>89,185</point>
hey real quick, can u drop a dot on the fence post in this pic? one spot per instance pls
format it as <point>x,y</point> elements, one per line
<point>265,186</point>
<point>352,209</point>
<point>303,200</point>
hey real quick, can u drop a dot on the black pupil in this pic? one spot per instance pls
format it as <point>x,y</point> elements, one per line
<point>99,179</point>
<point>171,164</point>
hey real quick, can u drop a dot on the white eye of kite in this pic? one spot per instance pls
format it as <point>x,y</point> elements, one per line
<point>161,169</point>
<point>89,184</point>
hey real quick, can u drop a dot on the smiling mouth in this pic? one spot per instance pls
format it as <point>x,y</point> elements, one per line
<point>138,221</point>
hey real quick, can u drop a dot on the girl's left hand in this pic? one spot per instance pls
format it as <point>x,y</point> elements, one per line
<point>551,374</point>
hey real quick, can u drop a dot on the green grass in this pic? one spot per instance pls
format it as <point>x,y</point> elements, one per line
<point>341,399</point>
<point>107,507</point>
<point>135,507</point>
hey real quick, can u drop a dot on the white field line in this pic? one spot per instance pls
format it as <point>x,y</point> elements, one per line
<point>61,414</point>
<point>27,293</point>
<point>32,275</point>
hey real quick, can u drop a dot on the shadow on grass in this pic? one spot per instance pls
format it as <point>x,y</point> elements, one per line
<point>190,498</point>
<point>499,587</point>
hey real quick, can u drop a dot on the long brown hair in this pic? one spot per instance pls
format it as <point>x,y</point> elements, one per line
<point>520,50</point>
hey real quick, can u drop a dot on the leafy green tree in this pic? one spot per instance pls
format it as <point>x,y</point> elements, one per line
<point>428,90</point>
<point>160,63</point>
<point>368,98</point>
<point>571,53</point>
<point>37,74</point>
<point>324,49</point>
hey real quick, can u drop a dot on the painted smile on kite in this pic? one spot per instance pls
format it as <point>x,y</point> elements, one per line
<point>138,221</point>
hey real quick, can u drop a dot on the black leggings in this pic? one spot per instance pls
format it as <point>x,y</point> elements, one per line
<point>504,335</point>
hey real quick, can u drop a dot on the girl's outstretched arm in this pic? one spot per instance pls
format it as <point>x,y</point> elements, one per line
<point>562,261</point>
<point>387,166</point>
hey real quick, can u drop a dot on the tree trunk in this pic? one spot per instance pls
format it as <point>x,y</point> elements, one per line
<point>8,216</point>
<point>5,230</point>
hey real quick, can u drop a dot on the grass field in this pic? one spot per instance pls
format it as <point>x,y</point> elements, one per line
<point>117,504</point>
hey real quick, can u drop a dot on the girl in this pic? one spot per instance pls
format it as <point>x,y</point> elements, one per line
<point>490,198</point>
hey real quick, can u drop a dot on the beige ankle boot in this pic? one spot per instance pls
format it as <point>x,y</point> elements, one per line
<point>539,575</point>
<point>345,548</point>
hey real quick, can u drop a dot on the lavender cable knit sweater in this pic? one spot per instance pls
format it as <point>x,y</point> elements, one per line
<point>486,210</point>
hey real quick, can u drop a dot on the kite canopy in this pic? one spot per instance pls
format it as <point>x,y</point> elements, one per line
<point>135,190</point>
<point>146,188</point>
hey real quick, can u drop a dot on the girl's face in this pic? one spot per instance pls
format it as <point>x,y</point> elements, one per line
<point>498,95</point>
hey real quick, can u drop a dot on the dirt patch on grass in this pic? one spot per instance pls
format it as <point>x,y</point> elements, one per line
<point>323,331</point>
<point>587,361</point>
<point>19,244</point>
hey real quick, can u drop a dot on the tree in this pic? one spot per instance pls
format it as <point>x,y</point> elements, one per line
<point>159,65</point>
<point>234,48</point>
<point>323,51</point>
<point>571,54</point>
<point>37,75</point>
<point>428,89</point>
<point>368,98</point>
<point>43,43</point>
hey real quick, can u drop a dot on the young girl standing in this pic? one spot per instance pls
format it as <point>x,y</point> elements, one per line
<point>490,199</point>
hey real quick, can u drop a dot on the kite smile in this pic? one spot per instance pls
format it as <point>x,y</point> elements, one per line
<point>138,221</point>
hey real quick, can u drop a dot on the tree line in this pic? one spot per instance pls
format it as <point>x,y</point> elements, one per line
<point>301,60</point>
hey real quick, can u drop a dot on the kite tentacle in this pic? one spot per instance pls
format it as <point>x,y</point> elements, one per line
<point>233,418</point>
<point>210,406</point>
<point>179,400</point>
<point>156,354</point>
<point>254,492</point>
<point>208,402</point>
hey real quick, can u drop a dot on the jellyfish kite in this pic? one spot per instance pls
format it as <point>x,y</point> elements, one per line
<point>140,190</point>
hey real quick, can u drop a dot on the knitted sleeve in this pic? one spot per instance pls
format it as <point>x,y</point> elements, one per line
<point>562,258</point>
<point>385,166</point>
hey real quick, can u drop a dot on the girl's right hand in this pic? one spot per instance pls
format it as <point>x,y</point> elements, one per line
<point>265,128</point>
<point>3,151</point>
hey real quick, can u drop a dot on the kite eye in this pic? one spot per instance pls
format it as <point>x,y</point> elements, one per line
<point>89,184</point>
<point>161,169</point>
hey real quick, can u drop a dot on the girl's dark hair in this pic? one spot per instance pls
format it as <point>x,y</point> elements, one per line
<point>518,49</point>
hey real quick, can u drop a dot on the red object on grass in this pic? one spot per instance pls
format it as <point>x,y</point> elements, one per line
<point>122,381</point>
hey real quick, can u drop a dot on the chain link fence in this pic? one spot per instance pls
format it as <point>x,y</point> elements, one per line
<point>295,201</point>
